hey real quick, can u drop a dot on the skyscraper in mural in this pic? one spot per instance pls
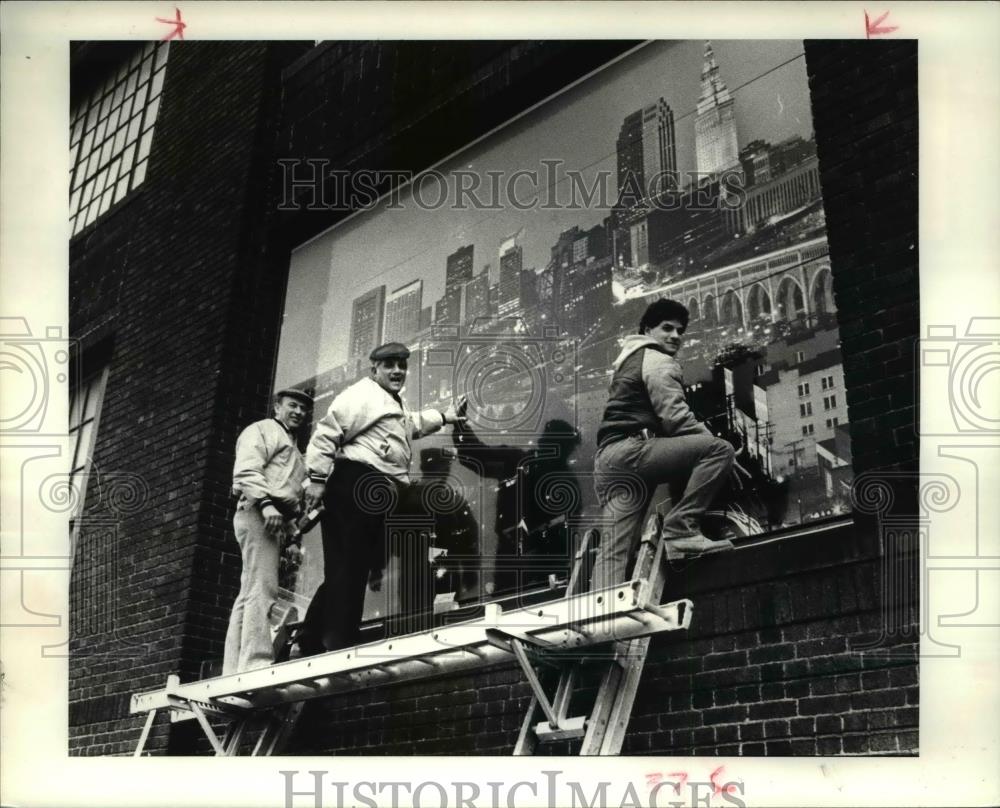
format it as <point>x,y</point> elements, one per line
<point>366,322</point>
<point>458,267</point>
<point>647,153</point>
<point>716,145</point>
<point>511,257</point>
<point>402,312</point>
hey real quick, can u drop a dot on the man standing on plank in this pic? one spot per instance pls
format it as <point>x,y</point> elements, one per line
<point>268,475</point>
<point>358,461</point>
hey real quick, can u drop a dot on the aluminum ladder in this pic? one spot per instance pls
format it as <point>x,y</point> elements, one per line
<point>603,728</point>
<point>623,617</point>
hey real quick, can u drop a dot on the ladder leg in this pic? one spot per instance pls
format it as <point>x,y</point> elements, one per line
<point>621,709</point>
<point>616,695</point>
<point>234,735</point>
<point>146,727</point>
<point>527,741</point>
<point>601,714</point>
<point>275,733</point>
<point>207,729</point>
<point>604,729</point>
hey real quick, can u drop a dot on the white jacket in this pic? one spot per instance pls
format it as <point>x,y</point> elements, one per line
<point>368,424</point>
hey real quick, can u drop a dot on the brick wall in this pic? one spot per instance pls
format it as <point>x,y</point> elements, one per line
<point>174,281</point>
<point>864,102</point>
<point>788,653</point>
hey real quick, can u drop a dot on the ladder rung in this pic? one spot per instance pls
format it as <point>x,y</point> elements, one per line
<point>574,727</point>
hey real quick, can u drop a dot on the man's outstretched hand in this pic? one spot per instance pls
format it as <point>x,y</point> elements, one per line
<point>456,412</point>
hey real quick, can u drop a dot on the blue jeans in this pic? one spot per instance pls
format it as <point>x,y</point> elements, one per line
<point>627,472</point>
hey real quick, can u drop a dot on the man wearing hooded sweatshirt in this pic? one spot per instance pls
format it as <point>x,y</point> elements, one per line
<point>649,436</point>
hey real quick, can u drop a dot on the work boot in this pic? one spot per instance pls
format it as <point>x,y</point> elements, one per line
<point>693,546</point>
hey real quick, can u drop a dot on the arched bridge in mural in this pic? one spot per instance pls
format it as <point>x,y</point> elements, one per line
<point>792,283</point>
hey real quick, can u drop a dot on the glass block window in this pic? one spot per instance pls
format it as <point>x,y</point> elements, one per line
<point>111,132</point>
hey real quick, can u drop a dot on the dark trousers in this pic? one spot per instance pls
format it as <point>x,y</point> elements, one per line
<point>353,527</point>
<point>359,502</point>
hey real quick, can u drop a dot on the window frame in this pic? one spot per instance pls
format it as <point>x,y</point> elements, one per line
<point>107,129</point>
<point>96,380</point>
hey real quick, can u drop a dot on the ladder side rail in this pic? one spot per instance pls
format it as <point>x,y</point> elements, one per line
<point>600,715</point>
<point>617,694</point>
<point>621,709</point>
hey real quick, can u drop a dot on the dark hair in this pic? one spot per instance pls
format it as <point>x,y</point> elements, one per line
<point>661,310</point>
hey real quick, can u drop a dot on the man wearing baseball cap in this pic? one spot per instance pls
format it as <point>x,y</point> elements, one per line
<point>267,476</point>
<point>358,461</point>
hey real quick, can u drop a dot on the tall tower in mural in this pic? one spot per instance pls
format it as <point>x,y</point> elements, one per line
<point>647,154</point>
<point>715,140</point>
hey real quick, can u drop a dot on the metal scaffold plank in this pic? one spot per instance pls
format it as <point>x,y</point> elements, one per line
<point>561,626</point>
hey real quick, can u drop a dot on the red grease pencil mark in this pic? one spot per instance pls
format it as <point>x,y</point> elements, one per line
<point>683,779</point>
<point>654,778</point>
<point>873,29</point>
<point>717,788</point>
<point>178,23</point>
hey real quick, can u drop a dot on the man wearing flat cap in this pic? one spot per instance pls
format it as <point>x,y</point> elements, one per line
<point>358,461</point>
<point>268,476</point>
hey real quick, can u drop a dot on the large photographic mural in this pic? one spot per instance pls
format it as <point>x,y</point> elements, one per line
<point>513,271</point>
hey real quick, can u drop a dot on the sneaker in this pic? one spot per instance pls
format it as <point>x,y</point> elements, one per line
<point>693,546</point>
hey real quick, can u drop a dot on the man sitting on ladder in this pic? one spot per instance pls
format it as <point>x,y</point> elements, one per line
<point>649,436</point>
